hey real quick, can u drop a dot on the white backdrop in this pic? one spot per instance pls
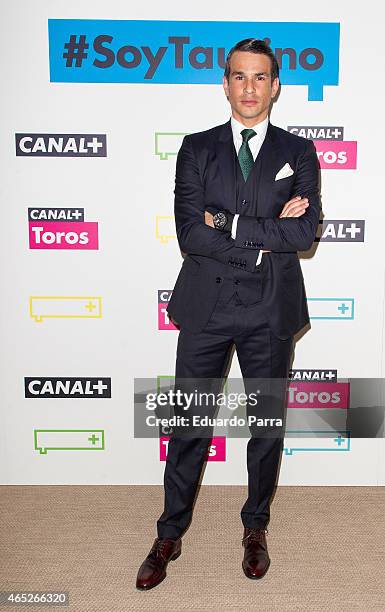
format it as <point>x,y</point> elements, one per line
<point>132,264</point>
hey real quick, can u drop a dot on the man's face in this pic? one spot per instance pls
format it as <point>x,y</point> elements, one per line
<point>249,87</point>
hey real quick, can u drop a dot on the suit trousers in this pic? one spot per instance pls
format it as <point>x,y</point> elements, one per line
<point>206,355</point>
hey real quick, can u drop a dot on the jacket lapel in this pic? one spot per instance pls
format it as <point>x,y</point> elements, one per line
<point>263,172</point>
<point>268,157</point>
<point>225,152</point>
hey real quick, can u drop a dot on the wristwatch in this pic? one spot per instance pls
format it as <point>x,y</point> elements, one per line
<point>223,220</point>
<point>220,220</point>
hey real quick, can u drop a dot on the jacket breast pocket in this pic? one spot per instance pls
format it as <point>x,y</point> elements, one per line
<point>284,183</point>
<point>282,191</point>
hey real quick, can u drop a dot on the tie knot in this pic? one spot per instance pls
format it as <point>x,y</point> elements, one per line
<point>247,133</point>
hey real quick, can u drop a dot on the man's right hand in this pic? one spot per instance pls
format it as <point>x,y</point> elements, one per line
<point>293,208</point>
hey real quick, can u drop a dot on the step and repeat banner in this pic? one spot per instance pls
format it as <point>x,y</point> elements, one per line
<point>96,102</point>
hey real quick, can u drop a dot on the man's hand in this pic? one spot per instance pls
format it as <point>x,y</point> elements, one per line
<point>209,218</point>
<point>294,207</point>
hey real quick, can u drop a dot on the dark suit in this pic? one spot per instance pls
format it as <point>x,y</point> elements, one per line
<point>206,175</point>
<point>222,298</point>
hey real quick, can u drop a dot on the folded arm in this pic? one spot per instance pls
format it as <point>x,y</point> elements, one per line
<point>194,236</point>
<point>287,234</point>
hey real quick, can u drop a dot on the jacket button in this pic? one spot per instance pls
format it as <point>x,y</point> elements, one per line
<point>259,245</point>
<point>236,282</point>
<point>244,202</point>
<point>218,279</point>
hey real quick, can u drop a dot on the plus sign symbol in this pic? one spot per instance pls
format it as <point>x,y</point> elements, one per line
<point>95,144</point>
<point>342,441</point>
<point>93,439</point>
<point>343,308</point>
<point>78,213</point>
<point>90,306</point>
<point>100,387</point>
<point>338,133</point>
<point>352,230</point>
<point>330,375</point>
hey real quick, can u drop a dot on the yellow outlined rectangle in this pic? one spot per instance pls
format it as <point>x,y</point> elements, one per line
<point>64,307</point>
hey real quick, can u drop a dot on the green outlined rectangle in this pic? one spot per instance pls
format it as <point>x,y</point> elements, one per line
<point>61,442</point>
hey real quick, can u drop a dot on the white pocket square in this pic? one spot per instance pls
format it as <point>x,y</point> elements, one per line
<point>284,172</point>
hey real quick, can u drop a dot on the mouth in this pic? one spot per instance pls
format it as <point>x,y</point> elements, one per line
<point>249,102</point>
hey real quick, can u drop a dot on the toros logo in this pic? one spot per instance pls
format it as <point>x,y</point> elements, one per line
<point>329,395</point>
<point>216,452</point>
<point>164,322</point>
<point>61,228</point>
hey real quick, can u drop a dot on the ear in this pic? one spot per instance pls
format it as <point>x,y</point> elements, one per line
<point>274,87</point>
<point>225,86</point>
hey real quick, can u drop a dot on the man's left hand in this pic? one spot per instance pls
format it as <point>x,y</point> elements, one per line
<point>209,218</point>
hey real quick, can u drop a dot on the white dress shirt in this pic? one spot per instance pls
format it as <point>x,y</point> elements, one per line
<point>255,144</point>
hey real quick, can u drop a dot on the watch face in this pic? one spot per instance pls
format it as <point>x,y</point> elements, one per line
<point>219,220</point>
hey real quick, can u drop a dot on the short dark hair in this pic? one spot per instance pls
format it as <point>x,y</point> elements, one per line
<point>253,45</point>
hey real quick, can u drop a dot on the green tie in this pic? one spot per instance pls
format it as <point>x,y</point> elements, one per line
<point>245,156</point>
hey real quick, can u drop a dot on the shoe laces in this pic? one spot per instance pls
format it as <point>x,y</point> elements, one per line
<point>255,535</point>
<point>158,548</point>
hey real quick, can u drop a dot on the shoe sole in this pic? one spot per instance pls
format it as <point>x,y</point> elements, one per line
<point>147,588</point>
<point>255,577</point>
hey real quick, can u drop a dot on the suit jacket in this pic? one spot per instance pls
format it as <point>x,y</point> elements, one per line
<point>205,179</point>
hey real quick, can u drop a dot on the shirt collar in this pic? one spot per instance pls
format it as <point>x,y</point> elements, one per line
<point>260,128</point>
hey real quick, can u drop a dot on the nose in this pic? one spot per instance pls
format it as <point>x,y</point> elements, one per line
<point>249,86</point>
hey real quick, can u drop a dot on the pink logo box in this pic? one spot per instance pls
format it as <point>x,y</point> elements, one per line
<point>337,154</point>
<point>81,235</point>
<point>217,451</point>
<point>331,395</point>
<point>164,323</point>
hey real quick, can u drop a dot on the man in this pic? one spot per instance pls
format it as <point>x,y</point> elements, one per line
<point>246,200</point>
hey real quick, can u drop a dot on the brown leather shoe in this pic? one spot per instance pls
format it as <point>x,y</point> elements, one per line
<point>153,569</point>
<point>256,559</point>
